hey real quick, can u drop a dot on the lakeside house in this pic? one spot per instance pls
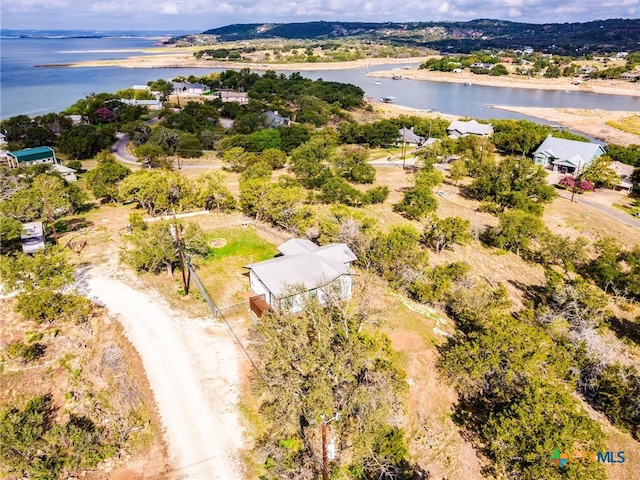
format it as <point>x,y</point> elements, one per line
<point>566,156</point>
<point>69,174</point>
<point>304,270</point>
<point>232,96</point>
<point>408,136</point>
<point>460,128</point>
<point>630,76</point>
<point>150,104</point>
<point>31,156</point>
<point>190,88</point>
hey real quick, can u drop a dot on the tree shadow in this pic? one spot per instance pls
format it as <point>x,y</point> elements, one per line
<point>72,225</point>
<point>626,329</point>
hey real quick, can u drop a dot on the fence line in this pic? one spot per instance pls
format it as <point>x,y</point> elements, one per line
<point>203,291</point>
<point>217,313</point>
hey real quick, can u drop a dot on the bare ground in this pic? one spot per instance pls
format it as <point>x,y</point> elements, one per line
<point>192,368</point>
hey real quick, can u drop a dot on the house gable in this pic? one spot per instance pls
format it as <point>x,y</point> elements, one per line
<point>566,153</point>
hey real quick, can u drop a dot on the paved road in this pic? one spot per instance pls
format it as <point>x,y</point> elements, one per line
<point>609,211</point>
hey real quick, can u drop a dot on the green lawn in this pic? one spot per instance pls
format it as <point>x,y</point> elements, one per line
<point>222,273</point>
<point>241,242</point>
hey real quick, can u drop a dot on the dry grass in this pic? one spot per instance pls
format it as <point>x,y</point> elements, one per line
<point>74,371</point>
<point>627,124</point>
<point>435,443</point>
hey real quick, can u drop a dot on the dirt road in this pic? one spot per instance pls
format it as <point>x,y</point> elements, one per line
<point>193,369</point>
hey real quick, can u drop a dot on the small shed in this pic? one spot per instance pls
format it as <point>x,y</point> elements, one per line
<point>69,174</point>
<point>32,237</point>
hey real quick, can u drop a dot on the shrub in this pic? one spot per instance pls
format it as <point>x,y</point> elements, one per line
<point>25,353</point>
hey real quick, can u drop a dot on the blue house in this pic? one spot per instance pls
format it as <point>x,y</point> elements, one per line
<point>566,156</point>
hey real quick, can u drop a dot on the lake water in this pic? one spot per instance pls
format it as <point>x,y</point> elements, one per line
<point>28,89</point>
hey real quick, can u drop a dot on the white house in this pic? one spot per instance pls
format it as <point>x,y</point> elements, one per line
<point>150,104</point>
<point>625,172</point>
<point>190,88</point>
<point>303,271</point>
<point>460,128</point>
<point>567,156</point>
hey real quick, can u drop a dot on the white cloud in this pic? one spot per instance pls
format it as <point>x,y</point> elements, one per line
<point>169,9</point>
<point>200,15</point>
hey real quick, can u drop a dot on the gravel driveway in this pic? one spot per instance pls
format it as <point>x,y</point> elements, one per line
<point>192,366</point>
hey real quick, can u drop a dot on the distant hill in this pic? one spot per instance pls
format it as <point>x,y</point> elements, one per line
<point>567,38</point>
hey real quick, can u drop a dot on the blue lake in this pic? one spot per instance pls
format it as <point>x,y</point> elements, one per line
<point>28,89</point>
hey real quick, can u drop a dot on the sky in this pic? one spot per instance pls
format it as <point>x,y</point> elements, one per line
<point>199,15</point>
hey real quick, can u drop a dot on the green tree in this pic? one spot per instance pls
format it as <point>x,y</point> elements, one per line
<point>212,194</point>
<point>157,191</point>
<point>152,247</point>
<point>104,180</point>
<point>10,231</point>
<point>458,170</point>
<point>516,230</point>
<point>321,365</point>
<point>417,202</point>
<point>43,285</point>
<point>152,155</point>
<point>441,234</point>
<point>522,436</point>
<point>396,256</point>
<point>600,173</point>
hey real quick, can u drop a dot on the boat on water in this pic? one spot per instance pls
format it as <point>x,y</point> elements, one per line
<point>388,99</point>
<point>377,81</point>
<point>397,77</point>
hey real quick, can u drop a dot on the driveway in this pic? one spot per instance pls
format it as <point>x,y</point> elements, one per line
<point>192,366</point>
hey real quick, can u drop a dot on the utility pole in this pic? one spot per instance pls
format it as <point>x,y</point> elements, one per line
<point>185,285</point>
<point>403,146</point>
<point>325,457</point>
<point>575,181</point>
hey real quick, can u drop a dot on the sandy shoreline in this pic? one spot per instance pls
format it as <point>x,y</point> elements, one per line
<point>591,122</point>
<point>607,87</point>
<point>183,58</point>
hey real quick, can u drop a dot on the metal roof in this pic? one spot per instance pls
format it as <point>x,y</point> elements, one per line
<point>563,149</point>
<point>307,270</point>
<point>296,246</point>
<point>304,264</point>
<point>33,154</point>
<point>470,127</point>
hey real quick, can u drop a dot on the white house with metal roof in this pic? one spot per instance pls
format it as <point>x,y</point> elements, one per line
<point>304,270</point>
<point>567,156</point>
<point>460,128</point>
